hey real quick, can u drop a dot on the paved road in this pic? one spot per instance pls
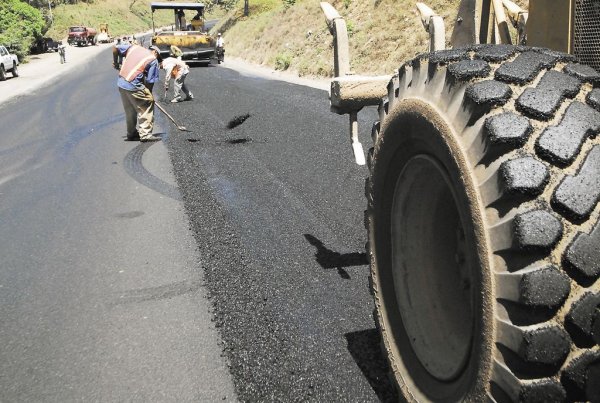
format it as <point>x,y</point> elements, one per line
<point>103,289</point>
<point>276,205</point>
<point>102,294</point>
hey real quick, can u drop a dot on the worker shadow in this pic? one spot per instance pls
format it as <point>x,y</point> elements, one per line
<point>329,259</point>
<point>365,348</point>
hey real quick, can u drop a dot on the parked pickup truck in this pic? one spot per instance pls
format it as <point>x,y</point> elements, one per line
<point>8,62</point>
<point>82,36</point>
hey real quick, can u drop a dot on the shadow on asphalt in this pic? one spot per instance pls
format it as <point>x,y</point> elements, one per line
<point>366,350</point>
<point>329,259</point>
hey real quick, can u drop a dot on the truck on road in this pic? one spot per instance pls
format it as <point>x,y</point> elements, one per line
<point>82,36</point>
<point>8,62</point>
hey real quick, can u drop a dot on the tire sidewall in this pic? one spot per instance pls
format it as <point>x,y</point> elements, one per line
<point>413,128</point>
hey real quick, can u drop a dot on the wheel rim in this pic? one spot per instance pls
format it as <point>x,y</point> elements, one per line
<point>428,253</point>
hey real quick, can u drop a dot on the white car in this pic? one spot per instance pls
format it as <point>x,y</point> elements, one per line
<point>8,62</point>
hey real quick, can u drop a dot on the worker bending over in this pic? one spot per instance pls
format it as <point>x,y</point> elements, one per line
<point>178,70</point>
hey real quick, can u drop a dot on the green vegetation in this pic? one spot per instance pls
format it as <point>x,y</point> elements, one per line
<point>283,61</point>
<point>123,17</point>
<point>20,24</point>
<point>283,34</point>
<point>350,27</point>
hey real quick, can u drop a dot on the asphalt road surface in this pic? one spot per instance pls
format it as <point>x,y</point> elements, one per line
<point>224,258</point>
<point>102,294</point>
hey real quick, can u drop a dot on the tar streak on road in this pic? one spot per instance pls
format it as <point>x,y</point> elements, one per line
<point>239,141</point>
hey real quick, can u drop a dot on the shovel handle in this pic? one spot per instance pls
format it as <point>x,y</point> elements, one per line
<point>182,128</point>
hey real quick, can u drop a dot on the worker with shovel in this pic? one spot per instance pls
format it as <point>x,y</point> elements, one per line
<point>137,76</point>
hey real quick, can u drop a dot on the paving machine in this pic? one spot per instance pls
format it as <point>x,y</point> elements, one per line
<point>195,44</point>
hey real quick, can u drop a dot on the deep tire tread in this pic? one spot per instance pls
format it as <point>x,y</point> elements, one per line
<point>541,192</point>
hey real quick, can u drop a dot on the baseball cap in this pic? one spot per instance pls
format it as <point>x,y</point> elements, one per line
<point>155,48</point>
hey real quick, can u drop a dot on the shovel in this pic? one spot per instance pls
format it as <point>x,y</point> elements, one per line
<point>182,128</point>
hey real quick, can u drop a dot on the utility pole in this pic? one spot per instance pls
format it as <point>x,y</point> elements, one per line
<point>50,11</point>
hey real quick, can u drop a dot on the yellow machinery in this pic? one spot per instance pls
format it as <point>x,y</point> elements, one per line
<point>186,33</point>
<point>104,36</point>
<point>483,210</point>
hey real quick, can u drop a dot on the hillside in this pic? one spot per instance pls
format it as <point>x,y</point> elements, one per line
<point>123,17</point>
<point>285,34</point>
<point>292,34</point>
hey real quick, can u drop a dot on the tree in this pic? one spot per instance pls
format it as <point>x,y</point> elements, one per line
<point>20,25</point>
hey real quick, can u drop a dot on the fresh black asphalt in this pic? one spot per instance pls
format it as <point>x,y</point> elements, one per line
<point>276,205</point>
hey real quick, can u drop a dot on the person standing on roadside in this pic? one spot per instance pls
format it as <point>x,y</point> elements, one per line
<point>178,70</point>
<point>220,45</point>
<point>62,50</point>
<point>137,76</point>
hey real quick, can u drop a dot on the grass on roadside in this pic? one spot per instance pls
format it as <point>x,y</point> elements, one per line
<point>293,33</point>
<point>123,17</point>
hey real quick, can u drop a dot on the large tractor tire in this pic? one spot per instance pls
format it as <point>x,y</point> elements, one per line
<point>484,232</point>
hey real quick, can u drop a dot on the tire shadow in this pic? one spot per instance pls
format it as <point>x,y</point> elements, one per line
<point>365,348</point>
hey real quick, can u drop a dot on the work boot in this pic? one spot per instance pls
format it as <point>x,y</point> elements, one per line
<point>150,138</point>
<point>134,137</point>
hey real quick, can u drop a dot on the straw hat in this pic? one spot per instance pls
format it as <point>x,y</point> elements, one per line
<point>175,51</point>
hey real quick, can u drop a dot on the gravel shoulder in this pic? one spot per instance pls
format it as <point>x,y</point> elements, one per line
<point>246,68</point>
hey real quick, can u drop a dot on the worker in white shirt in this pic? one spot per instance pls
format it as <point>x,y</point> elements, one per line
<point>178,70</point>
<point>220,45</point>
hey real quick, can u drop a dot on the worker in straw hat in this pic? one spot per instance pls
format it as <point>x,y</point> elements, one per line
<point>176,52</point>
<point>178,70</point>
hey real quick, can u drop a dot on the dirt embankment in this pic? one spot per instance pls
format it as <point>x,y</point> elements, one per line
<point>292,34</point>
